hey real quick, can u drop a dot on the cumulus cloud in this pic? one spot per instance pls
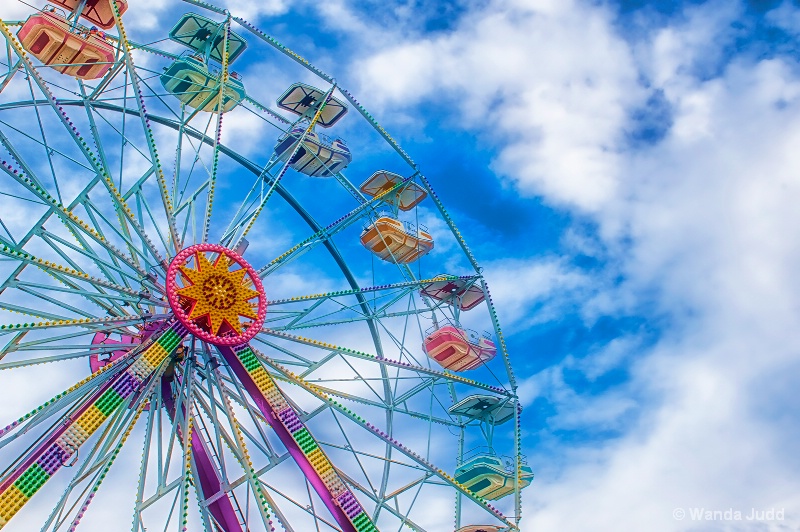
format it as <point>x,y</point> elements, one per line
<point>695,221</point>
<point>694,231</point>
<point>550,285</point>
<point>704,219</point>
<point>551,82</point>
<point>252,10</point>
<point>15,11</point>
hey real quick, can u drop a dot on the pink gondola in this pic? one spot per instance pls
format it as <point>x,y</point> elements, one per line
<point>101,357</point>
<point>454,291</point>
<point>83,54</point>
<point>456,349</point>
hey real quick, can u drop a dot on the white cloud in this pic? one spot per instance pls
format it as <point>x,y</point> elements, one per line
<point>550,84</point>
<point>786,16</point>
<point>14,11</point>
<point>698,225</point>
<point>696,42</point>
<point>707,211</point>
<point>534,291</point>
<point>582,411</point>
<point>252,10</point>
<point>146,19</point>
<point>245,131</point>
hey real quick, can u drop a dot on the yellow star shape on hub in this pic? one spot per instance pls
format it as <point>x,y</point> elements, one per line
<point>218,293</point>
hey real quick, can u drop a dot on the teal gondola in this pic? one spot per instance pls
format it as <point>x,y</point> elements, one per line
<point>191,81</point>
<point>487,476</point>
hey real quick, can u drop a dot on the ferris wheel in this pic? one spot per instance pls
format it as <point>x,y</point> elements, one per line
<point>204,323</point>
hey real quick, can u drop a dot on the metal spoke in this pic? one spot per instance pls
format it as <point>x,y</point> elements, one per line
<point>355,429</point>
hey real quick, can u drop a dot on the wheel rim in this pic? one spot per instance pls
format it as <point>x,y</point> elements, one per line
<point>120,262</point>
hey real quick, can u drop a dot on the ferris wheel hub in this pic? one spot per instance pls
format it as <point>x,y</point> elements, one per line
<point>216,294</point>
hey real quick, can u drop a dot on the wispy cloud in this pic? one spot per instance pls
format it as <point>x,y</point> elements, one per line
<point>550,84</point>
<point>679,153</point>
<point>694,227</point>
<point>530,292</point>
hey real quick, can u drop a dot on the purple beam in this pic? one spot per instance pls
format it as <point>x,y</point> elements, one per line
<point>286,438</point>
<point>62,427</point>
<point>210,482</point>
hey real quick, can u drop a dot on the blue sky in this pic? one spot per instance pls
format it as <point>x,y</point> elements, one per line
<point>626,173</point>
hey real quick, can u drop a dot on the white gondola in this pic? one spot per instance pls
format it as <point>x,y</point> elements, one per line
<point>318,155</point>
<point>304,100</point>
<point>404,198</point>
<point>487,408</point>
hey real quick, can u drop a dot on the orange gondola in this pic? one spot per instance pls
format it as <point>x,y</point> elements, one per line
<point>393,241</point>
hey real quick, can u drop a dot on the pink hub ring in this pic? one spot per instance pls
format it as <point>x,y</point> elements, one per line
<point>229,338</point>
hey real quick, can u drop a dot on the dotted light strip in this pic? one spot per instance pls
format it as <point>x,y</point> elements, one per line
<point>315,390</point>
<point>180,313</point>
<point>151,142</point>
<point>120,322</point>
<point>386,361</point>
<point>52,458</point>
<point>241,448</point>
<point>67,216</point>
<point>305,441</point>
<point>371,289</point>
<point>187,474</point>
<point>218,135</point>
<point>123,211</point>
<point>48,267</point>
